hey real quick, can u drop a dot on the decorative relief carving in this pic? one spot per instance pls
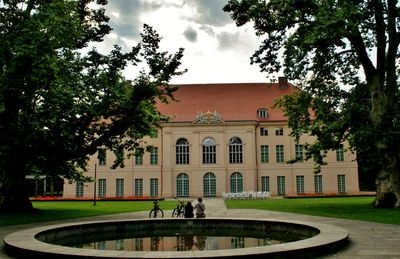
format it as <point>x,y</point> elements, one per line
<point>208,118</point>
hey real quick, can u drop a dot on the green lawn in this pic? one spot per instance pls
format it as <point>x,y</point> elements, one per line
<point>55,210</point>
<point>357,208</point>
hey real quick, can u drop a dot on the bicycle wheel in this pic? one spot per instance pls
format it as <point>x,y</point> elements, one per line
<point>175,213</point>
<point>160,213</point>
<point>156,213</point>
<point>182,215</point>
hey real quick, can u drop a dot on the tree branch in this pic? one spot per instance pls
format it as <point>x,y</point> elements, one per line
<point>380,39</point>
<point>356,40</point>
<point>392,49</point>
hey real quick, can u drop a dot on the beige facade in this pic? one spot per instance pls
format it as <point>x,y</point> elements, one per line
<point>253,169</point>
<point>258,163</point>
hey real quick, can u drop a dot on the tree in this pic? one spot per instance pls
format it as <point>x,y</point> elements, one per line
<point>322,46</point>
<point>58,105</point>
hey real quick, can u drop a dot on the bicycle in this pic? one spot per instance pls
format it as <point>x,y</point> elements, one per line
<point>156,212</point>
<point>179,211</point>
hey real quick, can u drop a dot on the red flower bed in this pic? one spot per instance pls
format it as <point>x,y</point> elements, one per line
<point>125,198</point>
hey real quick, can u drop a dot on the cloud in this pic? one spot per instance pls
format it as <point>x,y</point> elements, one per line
<point>190,34</point>
<point>210,12</point>
<point>216,50</point>
<point>125,18</point>
<point>228,39</point>
<point>208,29</point>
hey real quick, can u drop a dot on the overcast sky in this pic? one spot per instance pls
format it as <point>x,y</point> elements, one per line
<point>216,50</point>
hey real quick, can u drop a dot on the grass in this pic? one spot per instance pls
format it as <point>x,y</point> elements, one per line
<point>57,210</point>
<point>356,208</point>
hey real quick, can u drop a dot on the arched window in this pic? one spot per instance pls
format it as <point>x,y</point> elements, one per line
<point>235,151</point>
<point>209,185</point>
<point>262,113</point>
<point>209,151</point>
<point>236,182</point>
<point>182,151</point>
<point>182,185</point>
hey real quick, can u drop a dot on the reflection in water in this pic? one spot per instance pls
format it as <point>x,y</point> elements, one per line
<point>178,243</point>
<point>179,240</point>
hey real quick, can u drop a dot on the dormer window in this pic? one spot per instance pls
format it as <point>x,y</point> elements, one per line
<point>262,113</point>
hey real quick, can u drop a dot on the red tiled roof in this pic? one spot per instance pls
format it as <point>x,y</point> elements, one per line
<point>233,102</point>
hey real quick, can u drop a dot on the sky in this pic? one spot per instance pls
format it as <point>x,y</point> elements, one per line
<point>216,50</point>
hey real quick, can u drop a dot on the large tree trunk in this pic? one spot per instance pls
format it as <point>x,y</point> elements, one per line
<point>385,143</point>
<point>388,184</point>
<point>13,192</point>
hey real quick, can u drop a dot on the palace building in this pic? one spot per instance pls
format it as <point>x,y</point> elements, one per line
<point>221,138</point>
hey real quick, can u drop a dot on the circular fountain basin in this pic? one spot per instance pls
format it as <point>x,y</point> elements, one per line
<point>45,242</point>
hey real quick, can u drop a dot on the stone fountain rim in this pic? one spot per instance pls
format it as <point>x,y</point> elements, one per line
<point>24,242</point>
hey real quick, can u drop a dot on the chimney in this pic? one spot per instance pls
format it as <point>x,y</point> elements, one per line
<point>282,82</point>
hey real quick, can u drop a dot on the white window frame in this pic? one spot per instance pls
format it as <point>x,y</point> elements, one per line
<point>182,151</point>
<point>102,187</point>
<point>235,151</point>
<point>138,186</point>
<point>153,187</point>
<point>119,187</point>
<point>209,151</point>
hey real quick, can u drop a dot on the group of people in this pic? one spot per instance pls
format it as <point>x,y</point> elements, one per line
<point>199,207</point>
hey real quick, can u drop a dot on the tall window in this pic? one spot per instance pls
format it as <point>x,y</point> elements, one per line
<point>264,131</point>
<point>182,185</point>
<point>119,245</point>
<point>79,189</point>
<point>182,151</point>
<point>139,157</point>
<point>138,244</point>
<point>341,179</point>
<point>102,187</point>
<point>153,187</point>
<point>235,151</point>
<point>238,242</point>
<point>101,156</point>
<point>265,183</point>
<point>236,182</point>
<point>280,154</point>
<point>340,154</point>
<point>318,183</point>
<point>154,156</point>
<point>299,152</point>
<point>264,154</point>
<point>209,185</point>
<point>138,187</point>
<point>119,192</point>
<point>209,151</point>
<point>279,131</point>
<point>101,245</point>
<point>300,184</point>
<point>281,185</point>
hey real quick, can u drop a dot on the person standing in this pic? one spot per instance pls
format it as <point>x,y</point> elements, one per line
<point>200,208</point>
<point>189,210</point>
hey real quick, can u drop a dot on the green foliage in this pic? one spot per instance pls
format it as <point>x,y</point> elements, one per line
<point>326,47</point>
<point>60,101</point>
